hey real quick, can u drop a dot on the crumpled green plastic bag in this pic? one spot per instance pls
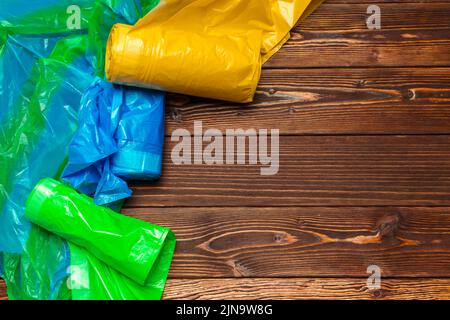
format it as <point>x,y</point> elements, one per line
<point>37,272</point>
<point>112,256</point>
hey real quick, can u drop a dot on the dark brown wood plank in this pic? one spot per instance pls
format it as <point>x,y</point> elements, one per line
<point>314,171</point>
<point>299,288</point>
<point>309,288</point>
<point>396,15</point>
<point>330,101</point>
<point>3,295</point>
<point>306,242</point>
<point>406,2</point>
<point>336,35</point>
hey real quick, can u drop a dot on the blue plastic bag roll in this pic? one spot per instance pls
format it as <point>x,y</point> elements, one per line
<point>120,137</point>
<point>140,135</point>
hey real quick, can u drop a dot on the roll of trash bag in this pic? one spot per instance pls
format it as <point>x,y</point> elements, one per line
<point>128,245</point>
<point>207,48</point>
<point>139,135</point>
<point>92,279</point>
<point>120,137</point>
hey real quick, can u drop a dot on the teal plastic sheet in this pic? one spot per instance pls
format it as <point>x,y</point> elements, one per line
<point>40,117</point>
<point>51,52</point>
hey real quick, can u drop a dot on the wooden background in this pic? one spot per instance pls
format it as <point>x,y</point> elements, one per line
<point>364,118</point>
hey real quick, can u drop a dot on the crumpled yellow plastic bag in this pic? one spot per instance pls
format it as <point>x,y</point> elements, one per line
<point>206,48</point>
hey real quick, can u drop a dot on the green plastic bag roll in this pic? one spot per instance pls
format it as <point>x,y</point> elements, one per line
<point>102,240</point>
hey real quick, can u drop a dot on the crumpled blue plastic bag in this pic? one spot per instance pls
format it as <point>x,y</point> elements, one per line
<point>120,136</point>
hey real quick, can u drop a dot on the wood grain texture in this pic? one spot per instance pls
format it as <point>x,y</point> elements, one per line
<point>330,101</point>
<point>267,242</point>
<point>406,2</point>
<point>299,288</point>
<point>395,15</point>
<point>351,190</point>
<point>336,35</point>
<point>305,242</point>
<point>314,171</point>
<point>306,288</point>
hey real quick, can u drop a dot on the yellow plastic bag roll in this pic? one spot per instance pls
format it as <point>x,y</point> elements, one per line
<point>206,48</point>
